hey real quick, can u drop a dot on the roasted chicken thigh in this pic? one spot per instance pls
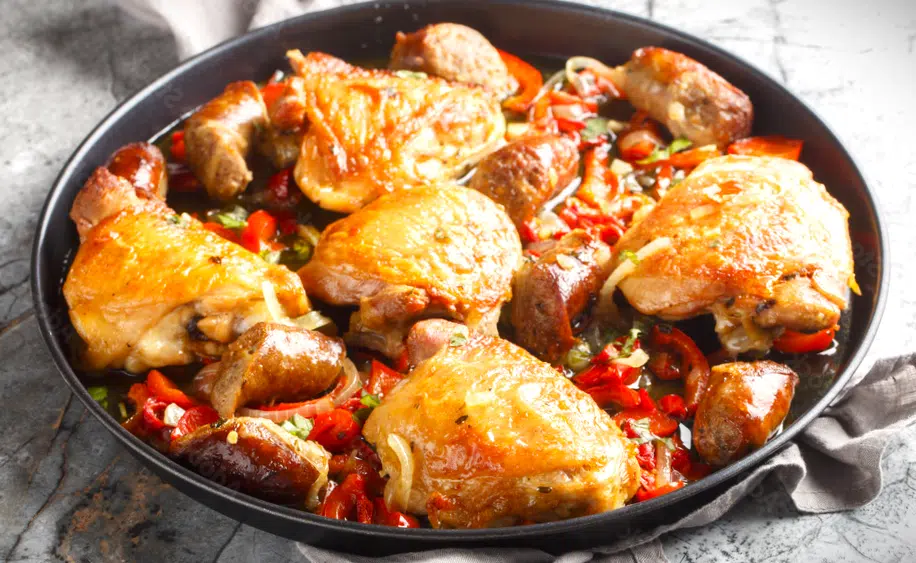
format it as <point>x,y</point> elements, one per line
<point>144,279</point>
<point>754,241</point>
<point>484,434</point>
<point>372,131</point>
<point>439,251</point>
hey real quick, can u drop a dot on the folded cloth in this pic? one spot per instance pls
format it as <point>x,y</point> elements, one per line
<point>835,464</point>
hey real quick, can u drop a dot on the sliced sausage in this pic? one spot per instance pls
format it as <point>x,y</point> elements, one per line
<point>257,457</point>
<point>143,165</point>
<point>691,100</point>
<point>219,135</point>
<point>453,52</point>
<point>743,405</point>
<point>526,173</point>
<point>272,361</point>
<point>552,292</point>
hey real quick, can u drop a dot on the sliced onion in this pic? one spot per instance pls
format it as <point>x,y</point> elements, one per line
<point>312,320</point>
<point>397,491</point>
<point>637,136</point>
<point>637,359</point>
<point>272,303</point>
<point>308,409</point>
<point>571,112</point>
<point>662,464</point>
<point>172,414</point>
<point>348,385</point>
<point>556,79</point>
<point>627,267</point>
<point>576,64</point>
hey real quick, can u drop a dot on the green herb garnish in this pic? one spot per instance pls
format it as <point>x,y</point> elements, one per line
<point>233,218</point>
<point>579,356</point>
<point>629,255</point>
<point>369,400</point>
<point>644,434</point>
<point>594,128</point>
<point>658,154</point>
<point>298,426</point>
<point>457,338</point>
<point>99,395</point>
<point>272,256</point>
<point>409,74</point>
<point>303,250</point>
<point>627,348</point>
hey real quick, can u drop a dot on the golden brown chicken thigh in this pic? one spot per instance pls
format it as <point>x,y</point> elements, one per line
<point>484,434</point>
<point>441,251</point>
<point>753,240</point>
<point>145,280</point>
<point>372,131</point>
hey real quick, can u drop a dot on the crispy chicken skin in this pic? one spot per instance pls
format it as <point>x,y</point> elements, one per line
<point>526,173</point>
<point>439,251</point>
<point>371,131</point>
<point>143,165</point>
<point>691,100</point>
<point>272,361</point>
<point>555,289</point>
<point>219,136</point>
<point>143,275</point>
<point>755,241</point>
<point>454,52</point>
<point>743,405</point>
<point>498,437</point>
<point>264,460</point>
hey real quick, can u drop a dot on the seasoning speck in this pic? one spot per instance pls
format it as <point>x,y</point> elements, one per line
<point>461,419</point>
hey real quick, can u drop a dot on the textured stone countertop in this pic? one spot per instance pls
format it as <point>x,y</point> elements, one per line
<point>69,492</point>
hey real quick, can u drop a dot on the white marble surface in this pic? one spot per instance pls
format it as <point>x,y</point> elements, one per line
<point>68,492</point>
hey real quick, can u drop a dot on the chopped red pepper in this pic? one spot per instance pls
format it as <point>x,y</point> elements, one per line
<point>162,388</point>
<point>272,92</point>
<point>334,430</point>
<point>393,518</point>
<point>774,145</point>
<point>194,418</point>
<point>644,494</point>
<point>529,80</point>
<point>673,405</point>
<point>278,185</point>
<point>599,185</point>
<point>222,231</point>
<point>660,424</point>
<point>645,455</point>
<point>694,367</point>
<point>558,97</point>
<point>348,501</point>
<point>402,363</point>
<point>153,413</point>
<point>381,379</point>
<point>690,159</point>
<point>791,342</point>
<point>177,148</point>
<point>138,394</point>
<point>260,229</point>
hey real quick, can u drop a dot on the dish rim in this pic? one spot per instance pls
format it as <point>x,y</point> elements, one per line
<point>164,465</point>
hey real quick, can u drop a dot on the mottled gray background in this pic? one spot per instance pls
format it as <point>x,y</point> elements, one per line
<point>69,493</point>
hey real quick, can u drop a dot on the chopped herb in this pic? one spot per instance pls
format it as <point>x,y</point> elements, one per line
<point>233,218</point>
<point>122,408</point>
<point>369,400</point>
<point>594,128</point>
<point>218,423</point>
<point>99,395</point>
<point>579,356</point>
<point>302,249</point>
<point>658,154</point>
<point>272,256</point>
<point>627,348</point>
<point>461,419</point>
<point>174,219</point>
<point>409,74</point>
<point>629,255</point>
<point>298,426</point>
<point>458,338</point>
<point>440,235</point>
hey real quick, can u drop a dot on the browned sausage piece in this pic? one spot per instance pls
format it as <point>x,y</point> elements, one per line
<point>257,457</point>
<point>272,361</point>
<point>549,294</point>
<point>143,165</point>
<point>453,52</point>
<point>219,135</point>
<point>526,173</point>
<point>744,403</point>
<point>691,100</point>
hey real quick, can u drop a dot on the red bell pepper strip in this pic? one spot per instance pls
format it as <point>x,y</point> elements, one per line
<point>673,406</point>
<point>334,429</point>
<point>177,148</point>
<point>222,231</point>
<point>393,518</point>
<point>382,379</point>
<point>529,80</point>
<point>162,388</point>
<point>153,413</point>
<point>260,229</point>
<point>774,145</point>
<point>272,92</point>
<point>791,342</point>
<point>691,158</point>
<point>192,419</point>
<point>694,367</point>
<point>349,501</point>
<point>644,493</point>
<point>660,424</point>
<point>599,185</point>
<point>645,455</point>
<point>561,98</point>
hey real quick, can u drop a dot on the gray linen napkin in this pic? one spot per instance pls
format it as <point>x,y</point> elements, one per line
<point>835,464</point>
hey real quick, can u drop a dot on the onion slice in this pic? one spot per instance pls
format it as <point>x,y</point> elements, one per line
<point>309,409</point>
<point>348,384</point>
<point>556,79</point>
<point>397,491</point>
<point>576,64</point>
<point>662,464</point>
<point>606,304</point>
